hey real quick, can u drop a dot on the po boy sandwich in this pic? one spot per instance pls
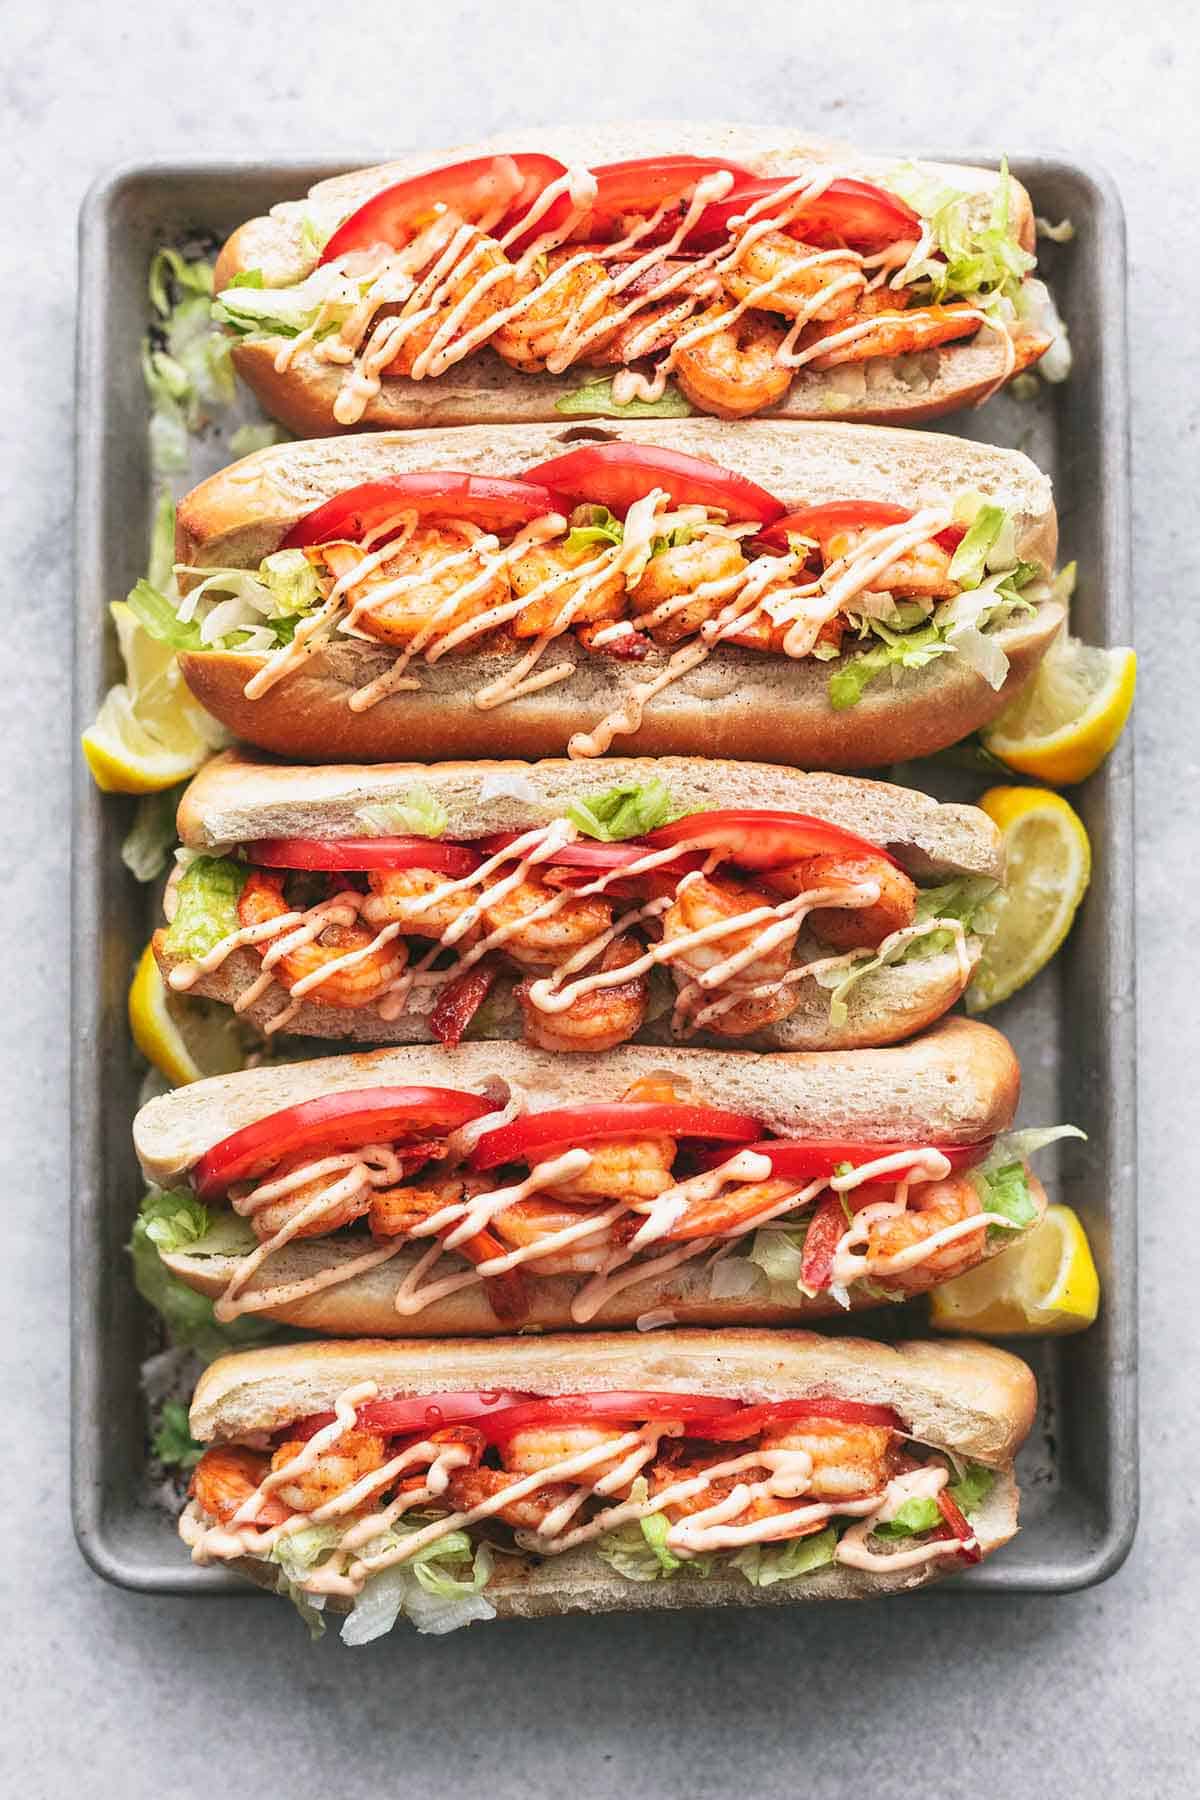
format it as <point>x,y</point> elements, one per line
<point>418,1191</point>
<point>526,278</point>
<point>577,906</point>
<point>459,1481</point>
<point>831,596</point>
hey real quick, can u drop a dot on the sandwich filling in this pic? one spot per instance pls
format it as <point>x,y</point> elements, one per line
<point>677,270</point>
<point>739,914</point>
<point>628,553</point>
<point>478,1188</point>
<point>406,1504</point>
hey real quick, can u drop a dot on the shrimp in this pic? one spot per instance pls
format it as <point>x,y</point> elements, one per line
<point>733,371</point>
<point>894,333</point>
<point>353,1455</point>
<point>481,256</point>
<point>851,927</point>
<point>541,1446</point>
<point>630,1168</point>
<point>705,900</point>
<point>599,1020</point>
<point>555,562</point>
<point>733,1210</point>
<point>359,984</point>
<point>396,896</point>
<point>469,1488</point>
<point>923,573</point>
<point>775,255</point>
<point>848,1461</point>
<point>678,571</point>
<point>224,1479</point>
<point>931,1208</point>
<point>764,631</point>
<point>395,1211</point>
<point>534,334</point>
<point>277,1214</point>
<point>552,939</point>
<point>526,1223</point>
<point>404,616</point>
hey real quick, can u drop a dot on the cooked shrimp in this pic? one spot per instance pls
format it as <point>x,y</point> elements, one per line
<point>359,984</point>
<point>534,334</point>
<point>554,562</point>
<point>733,1209</point>
<point>733,370</point>
<point>394,1211</point>
<point>776,257</point>
<point>553,939</point>
<point>541,1446</point>
<point>706,900</point>
<point>469,1488</point>
<point>764,631</point>
<point>355,1454</point>
<point>628,1168</point>
<point>397,896</point>
<point>931,1208</point>
<point>677,572</point>
<point>403,616</point>
<point>529,1222</point>
<point>848,1460</point>
<point>894,333</point>
<point>276,1214</point>
<point>481,256</point>
<point>851,927</point>
<point>224,1479</point>
<point>923,573</point>
<point>599,1020</point>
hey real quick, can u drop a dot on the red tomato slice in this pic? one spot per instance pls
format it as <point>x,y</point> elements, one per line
<point>471,189</point>
<point>763,840</point>
<point>749,1421</point>
<point>453,860</point>
<point>423,1412</point>
<point>855,213</point>
<point>615,475</point>
<point>333,1123</point>
<point>822,522</point>
<point>540,1134</point>
<point>803,1159</point>
<point>564,1409</point>
<point>500,503</point>
<point>959,1526</point>
<point>643,184</point>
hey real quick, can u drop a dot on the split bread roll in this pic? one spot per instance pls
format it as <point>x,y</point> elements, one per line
<point>739,703</point>
<point>959,1084</point>
<point>969,1399</point>
<point>484,390</point>
<point>236,799</point>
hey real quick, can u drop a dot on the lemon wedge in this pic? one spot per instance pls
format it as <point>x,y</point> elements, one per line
<point>1045,1284</point>
<point>149,732</point>
<point>181,1037</point>
<point>1049,859</point>
<point>1063,725</point>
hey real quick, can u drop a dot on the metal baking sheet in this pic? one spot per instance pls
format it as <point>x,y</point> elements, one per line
<point>1073,1029</point>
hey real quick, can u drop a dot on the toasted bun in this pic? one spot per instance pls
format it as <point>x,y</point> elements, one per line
<point>484,390</point>
<point>738,703</point>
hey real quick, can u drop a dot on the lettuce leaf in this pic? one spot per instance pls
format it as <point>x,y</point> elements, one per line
<point>249,438</point>
<point>156,615</point>
<point>921,1515</point>
<point>419,813</point>
<point>172,1443</point>
<point>969,562</point>
<point>896,651</point>
<point>188,1316</point>
<point>595,400</point>
<point>593,525</point>
<point>979,252</point>
<point>628,810</point>
<point>173,1218</point>
<point>1002,1181</point>
<point>764,1564</point>
<point>147,845</point>
<point>208,893</point>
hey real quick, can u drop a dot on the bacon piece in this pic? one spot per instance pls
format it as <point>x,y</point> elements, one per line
<point>460,1000</point>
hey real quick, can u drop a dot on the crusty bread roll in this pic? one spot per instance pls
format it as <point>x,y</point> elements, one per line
<point>967,1398</point>
<point>959,1084</point>
<point>739,703</point>
<point>235,799</point>
<point>484,390</point>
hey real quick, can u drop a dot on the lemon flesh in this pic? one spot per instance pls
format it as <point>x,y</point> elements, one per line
<point>182,1038</point>
<point>1049,864</point>
<point>1046,1284</point>
<point>1065,722</point>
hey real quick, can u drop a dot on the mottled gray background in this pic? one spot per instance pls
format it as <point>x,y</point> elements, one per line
<point>109,1693</point>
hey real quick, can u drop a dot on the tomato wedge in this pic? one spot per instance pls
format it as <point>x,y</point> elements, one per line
<point>423,1412</point>
<point>539,1135</point>
<point>453,860</point>
<point>471,189</point>
<point>498,502</point>
<point>748,1421</point>
<point>803,1159</point>
<point>615,475</point>
<point>823,522</point>
<point>642,184</point>
<point>959,1526</point>
<point>333,1123</point>
<point>564,1409</point>
<point>763,840</point>
<point>855,213</point>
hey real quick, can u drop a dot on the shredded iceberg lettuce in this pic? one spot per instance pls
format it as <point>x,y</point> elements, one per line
<point>629,810</point>
<point>206,911</point>
<point>920,1515</point>
<point>185,362</point>
<point>591,525</point>
<point>146,848</point>
<point>1002,1181</point>
<point>418,814</point>
<point>189,1318</point>
<point>438,1589</point>
<point>638,1551</point>
<point>595,400</point>
<point>975,250</point>
<point>172,1443</point>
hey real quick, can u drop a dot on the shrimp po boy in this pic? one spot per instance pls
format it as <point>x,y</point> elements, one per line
<point>423,1191</point>
<point>728,270</point>
<point>576,905</point>
<point>460,1481</point>
<point>831,596</point>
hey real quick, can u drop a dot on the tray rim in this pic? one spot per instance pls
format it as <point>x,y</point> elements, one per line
<point>95,1541</point>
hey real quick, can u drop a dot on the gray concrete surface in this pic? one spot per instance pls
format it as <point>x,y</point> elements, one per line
<point>108,1693</point>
